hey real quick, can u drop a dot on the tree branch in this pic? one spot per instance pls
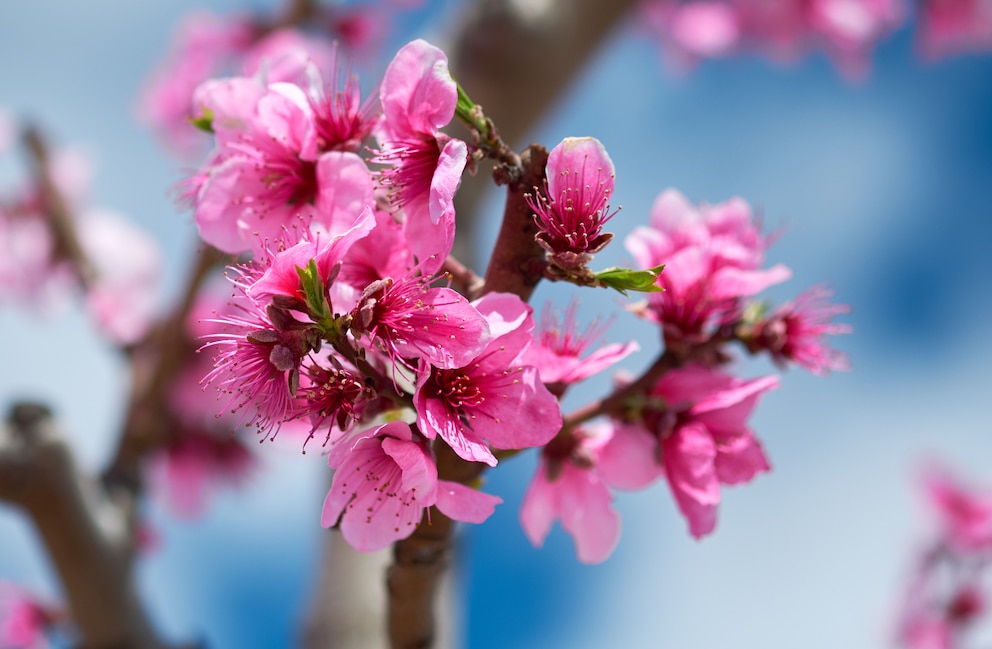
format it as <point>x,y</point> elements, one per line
<point>86,535</point>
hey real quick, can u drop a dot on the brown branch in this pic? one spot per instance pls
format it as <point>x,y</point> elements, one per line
<point>517,263</point>
<point>56,210</point>
<point>86,535</point>
<point>420,561</point>
<point>155,362</point>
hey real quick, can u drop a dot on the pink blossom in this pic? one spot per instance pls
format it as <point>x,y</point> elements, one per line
<point>203,45</point>
<point>490,398</point>
<point>268,177</point>
<point>285,55</point>
<point>193,465</point>
<point>713,257</point>
<point>29,272</point>
<point>796,330</point>
<point>23,620</point>
<point>574,206</point>
<point>851,27</point>
<point>571,489</point>
<point>965,514</point>
<point>782,29</point>
<point>418,98</point>
<point>557,349</point>
<point>408,320</point>
<point>948,27</point>
<point>128,263</point>
<point>384,480</point>
<point>698,434</point>
<point>343,121</point>
<point>257,361</point>
<point>695,30</point>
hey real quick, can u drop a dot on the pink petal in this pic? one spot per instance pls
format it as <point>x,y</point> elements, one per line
<point>539,508</point>
<point>417,93</point>
<point>344,190</point>
<point>462,503</point>
<point>689,456</point>
<point>587,514</point>
<point>579,155</point>
<point>739,458</point>
<point>731,282</point>
<point>629,460</point>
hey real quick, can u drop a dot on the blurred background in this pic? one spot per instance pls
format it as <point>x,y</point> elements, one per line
<point>882,187</point>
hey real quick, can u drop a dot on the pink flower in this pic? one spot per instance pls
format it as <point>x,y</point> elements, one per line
<point>567,486</point>
<point>285,55</point>
<point>948,27</point>
<point>557,350</point>
<point>695,30</point>
<point>23,620</point>
<point>128,263</point>
<point>489,398</point>
<point>410,320</point>
<point>574,205</point>
<point>196,463</point>
<point>342,120</point>
<point>267,178</point>
<point>418,98</point>
<point>257,361</point>
<point>384,480</point>
<point>713,257</point>
<point>851,27</point>
<point>966,515</point>
<point>699,433</point>
<point>796,330</point>
<point>203,45</point>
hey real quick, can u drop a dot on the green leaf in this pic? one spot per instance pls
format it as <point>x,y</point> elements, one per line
<point>628,279</point>
<point>313,291</point>
<point>205,121</point>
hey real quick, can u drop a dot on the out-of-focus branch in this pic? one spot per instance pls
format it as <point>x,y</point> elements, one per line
<point>154,364</point>
<point>515,57</point>
<point>56,210</point>
<point>85,534</point>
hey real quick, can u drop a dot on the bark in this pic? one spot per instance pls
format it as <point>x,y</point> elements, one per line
<point>86,535</point>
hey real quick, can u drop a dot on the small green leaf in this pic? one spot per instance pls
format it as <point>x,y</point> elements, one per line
<point>628,279</point>
<point>205,121</point>
<point>313,291</point>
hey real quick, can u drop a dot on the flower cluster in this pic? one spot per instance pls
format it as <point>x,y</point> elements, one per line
<point>948,595</point>
<point>785,29</point>
<point>685,419</point>
<point>344,323</point>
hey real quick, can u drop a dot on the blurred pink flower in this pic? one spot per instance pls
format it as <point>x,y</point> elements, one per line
<point>558,347</point>
<point>713,256</point>
<point>568,487</point>
<point>698,435</point>
<point>949,27</point>
<point>795,332</point>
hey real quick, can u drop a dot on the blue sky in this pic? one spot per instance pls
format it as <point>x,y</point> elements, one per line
<point>883,189</point>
